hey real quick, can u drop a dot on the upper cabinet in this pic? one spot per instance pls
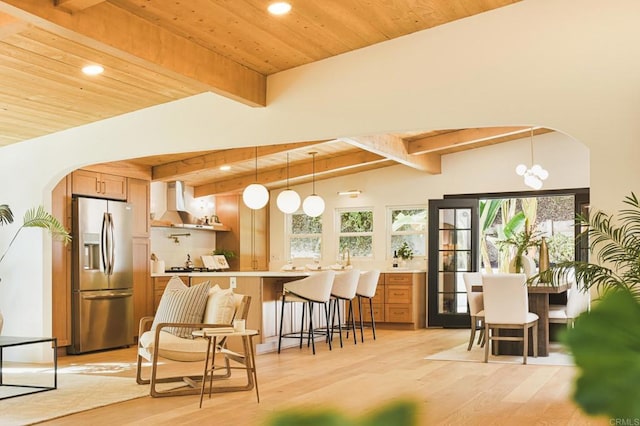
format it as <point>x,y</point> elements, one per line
<point>95,184</point>
<point>247,236</point>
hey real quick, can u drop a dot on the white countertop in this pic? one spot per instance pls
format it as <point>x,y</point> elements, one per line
<point>296,273</point>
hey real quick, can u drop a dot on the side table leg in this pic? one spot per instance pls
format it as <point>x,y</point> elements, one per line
<point>252,363</point>
<point>206,367</point>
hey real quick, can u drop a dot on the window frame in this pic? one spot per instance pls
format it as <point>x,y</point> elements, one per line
<point>289,235</point>
<point>390,233</point>
<point>337,218</point>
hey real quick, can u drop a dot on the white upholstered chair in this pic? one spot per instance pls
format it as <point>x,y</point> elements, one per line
<point>367,285</point>
<point>578,301</point>
<point>168,335</point>
<point>476,306</point>
<point>344,289</point>
<point>314,289</point>
<point>506,306</point>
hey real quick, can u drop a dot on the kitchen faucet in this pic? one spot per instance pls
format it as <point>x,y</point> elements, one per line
<point>348,256</point>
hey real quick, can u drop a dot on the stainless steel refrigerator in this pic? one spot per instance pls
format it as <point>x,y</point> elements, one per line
<point>102,275</point>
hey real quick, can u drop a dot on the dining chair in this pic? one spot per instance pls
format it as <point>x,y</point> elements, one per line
<point>311,290</point>
<point>343,290</point>
<point>578,301</point>
<point>506,306</point>
<point>476,306</point>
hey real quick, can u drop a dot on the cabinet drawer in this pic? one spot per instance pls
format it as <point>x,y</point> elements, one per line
<point>398,294</point>
<point>379,296</point>
<point>378,313</point>
<point>397,313</point>
<point>398,278</point>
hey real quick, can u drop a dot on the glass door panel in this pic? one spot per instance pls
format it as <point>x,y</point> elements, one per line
<point>453,245</point>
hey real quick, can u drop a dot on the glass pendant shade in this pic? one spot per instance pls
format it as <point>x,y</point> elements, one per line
<point>288,201</point>
<point>255,196</point>
<point>313,205</point>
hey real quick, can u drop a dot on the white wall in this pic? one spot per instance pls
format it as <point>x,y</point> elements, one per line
<point>570,65</point>
<point>482,170</point>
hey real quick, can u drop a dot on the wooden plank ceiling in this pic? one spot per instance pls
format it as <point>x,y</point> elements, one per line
<point>156,51</point>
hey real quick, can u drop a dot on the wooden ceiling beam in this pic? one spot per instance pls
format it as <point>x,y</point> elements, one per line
<point>72,6</point>
<point>297,171</point>
<point>395,148</point>
<point>459,138</point>
<point>121,34</point>
<point>176,170</point>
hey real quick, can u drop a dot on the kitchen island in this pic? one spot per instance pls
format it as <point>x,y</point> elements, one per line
<point>400,301</point>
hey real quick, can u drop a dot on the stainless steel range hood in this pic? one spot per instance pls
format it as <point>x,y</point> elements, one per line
<point>177,214</point>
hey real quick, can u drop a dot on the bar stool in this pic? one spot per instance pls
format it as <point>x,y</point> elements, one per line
<point>314,289</point>
<point>344,289</point>
<point>367,285</point>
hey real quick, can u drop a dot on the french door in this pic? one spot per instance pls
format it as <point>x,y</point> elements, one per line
<point>453,250</point>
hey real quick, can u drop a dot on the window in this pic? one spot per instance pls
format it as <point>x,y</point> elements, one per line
<point>305,236</point>
<point>355,232</point>
<point>408,225</point>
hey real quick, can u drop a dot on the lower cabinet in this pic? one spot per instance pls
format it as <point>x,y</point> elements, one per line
<point>400,301</point>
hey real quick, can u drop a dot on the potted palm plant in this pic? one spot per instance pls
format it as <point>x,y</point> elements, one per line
<point>36,217</point>
<point>605,342</point>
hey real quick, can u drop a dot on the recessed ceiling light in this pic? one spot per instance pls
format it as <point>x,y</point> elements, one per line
<point>279,8</point>
<point>93,69</point>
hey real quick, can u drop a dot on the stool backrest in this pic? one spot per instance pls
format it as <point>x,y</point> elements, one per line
<point>368,282</point>
<point>345,284</point>
<point>316,287</point>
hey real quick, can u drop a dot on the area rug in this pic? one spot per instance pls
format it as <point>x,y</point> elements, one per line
<point>557,356</point>
<point>75,393</point>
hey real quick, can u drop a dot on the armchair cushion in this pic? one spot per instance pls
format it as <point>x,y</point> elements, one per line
<point>220,307</point>
<point>184,305</point>
<point>173,347</point>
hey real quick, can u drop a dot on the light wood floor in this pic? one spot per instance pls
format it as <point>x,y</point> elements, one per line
<point>360,377</point>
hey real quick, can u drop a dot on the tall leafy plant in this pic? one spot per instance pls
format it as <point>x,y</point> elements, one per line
<point>488,211</point>
<point>36,217</point>
<point>605,342</point>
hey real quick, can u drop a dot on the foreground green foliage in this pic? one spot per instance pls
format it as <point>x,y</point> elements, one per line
<point>606,347</point>
<point>615,242</point>
<point>400,413</point>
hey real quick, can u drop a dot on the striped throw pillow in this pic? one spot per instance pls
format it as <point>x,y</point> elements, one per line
<point>182,306</point>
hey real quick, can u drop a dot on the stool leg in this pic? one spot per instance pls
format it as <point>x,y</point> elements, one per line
<point>339,320</point>
<point>313,341</point>
<point>326,314</point>
<point>353,322</point>
<point>302,326</point>
<point>373,322</point>
<point>360,314</point>
<point>281,322</point>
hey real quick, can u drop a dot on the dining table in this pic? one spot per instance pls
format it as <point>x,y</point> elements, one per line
<point>538,294</point>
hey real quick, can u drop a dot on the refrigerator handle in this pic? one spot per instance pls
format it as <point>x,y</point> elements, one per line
<point>103,243</point>
<point>112,244</point>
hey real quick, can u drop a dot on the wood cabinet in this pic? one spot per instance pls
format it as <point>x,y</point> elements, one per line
<point>132,186</point>
<point>61,266</point>
<point>400,301</point>
<point>142,286</point>
<point>96,184</point>
<point>247,236</point>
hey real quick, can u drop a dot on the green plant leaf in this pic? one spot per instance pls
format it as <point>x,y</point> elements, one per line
<point>6,215</point>
<point>296,417</point>
<point>606,347</point>
<point>399,413</point>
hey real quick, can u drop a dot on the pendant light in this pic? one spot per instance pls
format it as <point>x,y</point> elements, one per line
<point>288,200</point>
<point>255,196</point>
<point>533,176</point>
<point>313,205</point>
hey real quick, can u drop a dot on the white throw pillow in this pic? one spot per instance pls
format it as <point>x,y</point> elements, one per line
<point>185,305</point>
<point>220,307</point>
